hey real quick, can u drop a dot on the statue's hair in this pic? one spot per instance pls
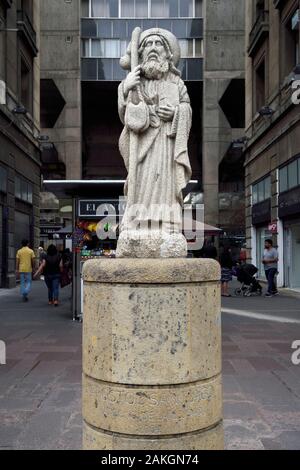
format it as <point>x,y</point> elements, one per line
<point>169,53</point>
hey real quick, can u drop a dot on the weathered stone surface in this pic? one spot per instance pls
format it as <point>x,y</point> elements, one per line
<point>151,271</point>
<point>130,331</point>
<point>151,244</point>
<point>211,439</point>
<point>154,107</point>
<point>152,410</point>
<point>151,354</point>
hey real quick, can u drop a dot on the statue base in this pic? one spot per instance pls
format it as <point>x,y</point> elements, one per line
<point>152,355</point>
<point>151,244</point>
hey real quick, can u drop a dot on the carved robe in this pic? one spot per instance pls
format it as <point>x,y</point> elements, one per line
<point>162,165</point>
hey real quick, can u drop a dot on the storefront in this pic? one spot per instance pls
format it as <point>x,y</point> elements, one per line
<point>93,233</point>
<point>289,213</point>
<point>1,245</point>
<point>261,218</point>
<point>97,209</point>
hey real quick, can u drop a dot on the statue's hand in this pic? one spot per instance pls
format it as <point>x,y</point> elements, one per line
<point>132,80</point>
<point>166,112</point>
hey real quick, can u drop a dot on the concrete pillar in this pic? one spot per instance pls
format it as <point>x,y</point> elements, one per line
<point>152,354</point>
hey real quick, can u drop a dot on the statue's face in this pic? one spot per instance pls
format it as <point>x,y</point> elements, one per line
<point>154,49</point>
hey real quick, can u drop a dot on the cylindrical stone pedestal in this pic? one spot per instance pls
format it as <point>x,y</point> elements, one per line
<point>152,354</point>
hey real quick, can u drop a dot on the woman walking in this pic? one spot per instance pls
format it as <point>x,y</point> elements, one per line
<point>51,267</point>
<point>226,270</point>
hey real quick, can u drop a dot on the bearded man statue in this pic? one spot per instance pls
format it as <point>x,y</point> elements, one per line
<point>154,107</point>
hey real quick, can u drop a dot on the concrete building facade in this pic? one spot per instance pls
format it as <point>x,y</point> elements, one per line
<point>223,114</point>
<point>80,75</point>
<point>19,131</point>
<point>273,129</point>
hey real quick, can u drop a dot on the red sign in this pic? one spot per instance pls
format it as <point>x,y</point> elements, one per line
<point>273,227</point>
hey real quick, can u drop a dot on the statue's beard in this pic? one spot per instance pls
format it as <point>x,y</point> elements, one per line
<point>155,69</point>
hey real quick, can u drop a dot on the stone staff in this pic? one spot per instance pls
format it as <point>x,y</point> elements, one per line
<point>135,115</point>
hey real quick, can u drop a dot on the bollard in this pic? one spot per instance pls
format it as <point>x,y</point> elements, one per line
<point>152,354</point>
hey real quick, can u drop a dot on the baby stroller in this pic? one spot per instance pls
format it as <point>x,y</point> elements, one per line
<point>245,274</point>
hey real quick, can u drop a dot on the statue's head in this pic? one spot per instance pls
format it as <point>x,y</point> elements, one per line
<point>155,56</point>
<point>159,52</point>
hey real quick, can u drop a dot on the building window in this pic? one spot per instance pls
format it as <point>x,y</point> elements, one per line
<point>141,8</point>
<point>115,48</point>
<point>23,190</point>
<point>260,86</point>
<point>105,8</point>
<point>122,29</point>
<point>289,176</point>
<point>290,43</point>
<point>259,8</point>
<point>85,8</point>
<point>3,179</point>
<point>261,190</point>
<point>26,85</point>
<point>27,7</point>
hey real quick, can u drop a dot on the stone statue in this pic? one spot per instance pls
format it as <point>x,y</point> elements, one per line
<point>154,107</point>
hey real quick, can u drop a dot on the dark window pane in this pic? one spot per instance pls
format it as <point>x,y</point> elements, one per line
<point>3,179</point>
<point>158,9</point>
<point>254,194</point>
<point>293,174</point>
<point>105,69</point>
<point>113,8</point>
<point>89,69</point>
<point>18,188</point>
<point>283,179</point>
<point>127,8</point>
<point>84,8</point>
<point>141,8</point>
<point>198,8</point>
<point>182,67</point>
<point>195,28</point>
<point>194,69</point>
<point>30,194</point>
<point>85,47</point>
<point>118,72</point>
<point>105,8</point>
<point>261,191</point>
<point>119,29</point>
<point>104,28</point>
<point>147,24</point>
<point>186,8</point>
<point>88,28</point>
<point>173,8</point>
<point>133,24</point>
<point>268,187</point>
<point>165,24</point>
<point>198,47</point>
<point>179,28</point>
<point>24,190</point>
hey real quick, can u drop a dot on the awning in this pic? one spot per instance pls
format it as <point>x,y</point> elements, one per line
<point>196,226</point>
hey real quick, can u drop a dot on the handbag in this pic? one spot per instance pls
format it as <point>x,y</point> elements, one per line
<point>65,279</point>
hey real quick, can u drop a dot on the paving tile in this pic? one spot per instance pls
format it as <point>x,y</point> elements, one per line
<point>40,389</point>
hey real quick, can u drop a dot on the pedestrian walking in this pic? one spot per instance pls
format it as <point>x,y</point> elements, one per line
<point>226,263</point>
<point>270,262</point>
<point>25,264</point>
<point>51,267</point>
<point>42,254</point>
<point>208,250</point>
